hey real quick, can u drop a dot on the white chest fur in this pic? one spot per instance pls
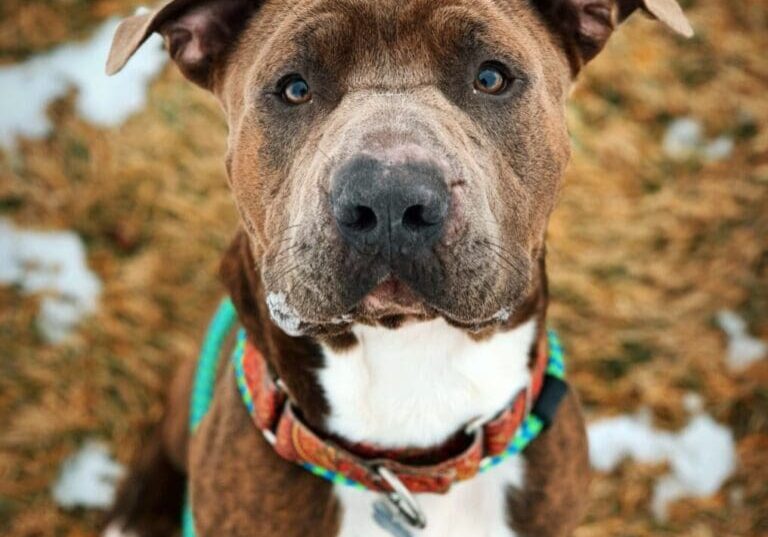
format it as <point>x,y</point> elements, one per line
<point>415,387</point>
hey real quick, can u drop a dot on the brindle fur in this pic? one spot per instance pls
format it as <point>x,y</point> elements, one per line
<point>387,76</point>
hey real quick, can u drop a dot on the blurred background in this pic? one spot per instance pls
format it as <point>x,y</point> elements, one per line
<point>114,213</point>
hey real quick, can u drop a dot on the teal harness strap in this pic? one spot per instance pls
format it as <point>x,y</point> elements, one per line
<point>210,353</point>
<point>205,379</point>
<point>225,320</point>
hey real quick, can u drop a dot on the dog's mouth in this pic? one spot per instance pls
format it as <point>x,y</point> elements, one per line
<point>390,304</point>
<point>391,297</point>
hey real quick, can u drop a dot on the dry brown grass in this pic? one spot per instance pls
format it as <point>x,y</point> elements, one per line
<point>643,252</point>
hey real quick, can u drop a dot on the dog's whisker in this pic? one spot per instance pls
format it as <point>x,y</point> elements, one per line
<point>286,272</point>
<point>508,262</point>
<point>287,251</point>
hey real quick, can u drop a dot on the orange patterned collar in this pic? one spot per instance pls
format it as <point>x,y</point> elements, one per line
<point>479,446</point>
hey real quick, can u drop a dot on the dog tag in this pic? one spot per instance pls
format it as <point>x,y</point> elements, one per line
<point>389,519</point>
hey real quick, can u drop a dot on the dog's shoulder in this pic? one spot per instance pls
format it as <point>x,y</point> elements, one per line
<point>238,482</point>
<point>554,497</point>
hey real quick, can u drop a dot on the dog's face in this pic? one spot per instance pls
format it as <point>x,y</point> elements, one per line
<point>397,157</point>
<point>391,158</point>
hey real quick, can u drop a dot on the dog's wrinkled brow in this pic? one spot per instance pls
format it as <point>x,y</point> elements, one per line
<point>321,40</point>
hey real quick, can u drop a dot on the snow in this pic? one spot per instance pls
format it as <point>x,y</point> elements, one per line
<point>718,149</point>
<point>88,479</point>
<point>700,457</point>
<point>53,264</point>
<point>743,349</point>
<point>684,139</point>
<point>26,89</point>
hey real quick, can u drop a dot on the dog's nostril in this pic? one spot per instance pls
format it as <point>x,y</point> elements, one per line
<point>363,219</point>
<point>415,218</point>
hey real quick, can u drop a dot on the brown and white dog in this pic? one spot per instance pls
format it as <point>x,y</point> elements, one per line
<point>394,163</point>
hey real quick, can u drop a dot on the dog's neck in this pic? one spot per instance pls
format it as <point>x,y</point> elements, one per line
<point>414,386</point>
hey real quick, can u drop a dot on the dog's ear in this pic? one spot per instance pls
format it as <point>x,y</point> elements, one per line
<point>586,25</point>
<point>198,34</point>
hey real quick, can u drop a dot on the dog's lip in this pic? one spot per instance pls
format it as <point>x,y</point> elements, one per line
<point>391,297</point>
<point>373,309</point>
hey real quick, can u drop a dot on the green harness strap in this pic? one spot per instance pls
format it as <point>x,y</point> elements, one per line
<point>220,327</point>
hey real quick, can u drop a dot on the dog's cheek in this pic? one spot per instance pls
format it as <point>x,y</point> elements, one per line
<point>259,187</point>
<point>536,144</point>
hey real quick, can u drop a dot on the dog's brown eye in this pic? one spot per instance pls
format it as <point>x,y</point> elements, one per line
<point>490,80</point>
<point>296,91</point>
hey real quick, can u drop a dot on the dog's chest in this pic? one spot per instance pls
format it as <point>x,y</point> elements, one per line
<point>415,387</point>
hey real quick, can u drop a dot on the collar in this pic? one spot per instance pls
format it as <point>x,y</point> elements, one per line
<point>481,445</point>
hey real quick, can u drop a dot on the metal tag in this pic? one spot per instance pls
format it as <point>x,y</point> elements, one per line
<point>389,518</point>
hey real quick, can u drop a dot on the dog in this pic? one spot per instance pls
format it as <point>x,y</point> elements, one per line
<point>394,164</point>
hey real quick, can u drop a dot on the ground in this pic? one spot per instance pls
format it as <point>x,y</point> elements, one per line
<point>644,250</point>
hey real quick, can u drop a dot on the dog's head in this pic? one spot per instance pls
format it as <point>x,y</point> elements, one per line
<point>389,157</point>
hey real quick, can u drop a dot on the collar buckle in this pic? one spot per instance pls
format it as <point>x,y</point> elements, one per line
<point>476,425</point>
<point>401,498</point>
<point>473,427</point>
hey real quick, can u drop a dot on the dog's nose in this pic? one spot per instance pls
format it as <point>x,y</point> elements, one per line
<point>390,209</point>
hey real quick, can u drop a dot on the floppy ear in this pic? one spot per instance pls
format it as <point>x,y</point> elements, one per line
<point>198,34</point>
<point>586,25</point>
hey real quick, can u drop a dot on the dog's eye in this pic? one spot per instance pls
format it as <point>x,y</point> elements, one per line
<point>490,79</point>
<point>296,91</point>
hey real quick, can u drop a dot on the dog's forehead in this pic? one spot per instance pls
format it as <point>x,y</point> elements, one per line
<point>359,36</point>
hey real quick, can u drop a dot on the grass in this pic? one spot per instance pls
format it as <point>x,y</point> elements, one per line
<point>643,252</point>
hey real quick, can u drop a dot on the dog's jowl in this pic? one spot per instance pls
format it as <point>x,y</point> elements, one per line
<point>394,164</point>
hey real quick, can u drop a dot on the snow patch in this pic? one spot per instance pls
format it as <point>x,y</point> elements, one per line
<point>701,456</point>
<point>684,139</point>
<point>743,349</point>
<point>52,263</point>
<point>88,479</point>
<point>283,314</point>
<point>718,149</point>
<point>26,89</point>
